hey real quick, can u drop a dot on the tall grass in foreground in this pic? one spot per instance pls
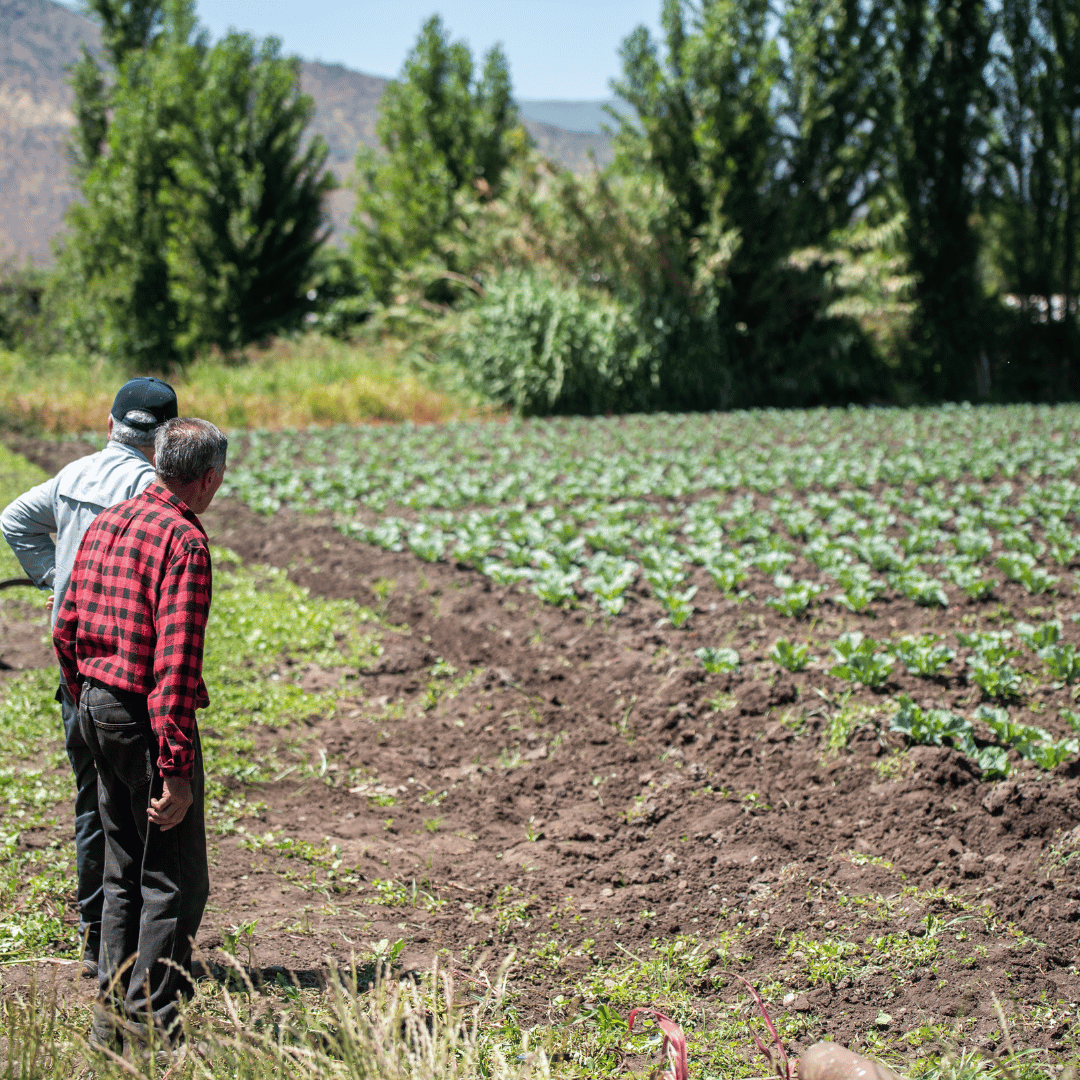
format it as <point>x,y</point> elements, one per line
<point>390,1029</point>
<point>291,383</point>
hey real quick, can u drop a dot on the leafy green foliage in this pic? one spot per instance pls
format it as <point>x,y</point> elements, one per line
<point>610,500</point>
<point>792,656</point>
<point>859,661</point>
<point>933,727</point>
<point>1032,743</point>
<point>795,596</point>
<point>544,347</point>
<point>988,665</point>
<point>860,588</point>
<point>718,660</point>
<point>941,58</point>
<point>445,135</point>
<point>202,210</point>
<point>924,655</point>
<point>1063,661</point>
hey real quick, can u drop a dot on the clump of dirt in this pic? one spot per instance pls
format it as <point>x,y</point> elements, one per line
<point>586,783</point>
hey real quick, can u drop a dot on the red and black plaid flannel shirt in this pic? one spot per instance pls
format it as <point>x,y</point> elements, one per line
<point>134,615</point>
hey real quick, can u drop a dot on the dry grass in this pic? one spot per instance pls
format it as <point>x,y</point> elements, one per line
<point>289,384</point>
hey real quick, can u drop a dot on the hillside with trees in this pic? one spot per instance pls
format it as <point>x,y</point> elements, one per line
<point>40,40</point>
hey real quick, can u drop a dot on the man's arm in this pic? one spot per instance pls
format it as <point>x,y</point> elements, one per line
<point>27,524</point>
<point>183,606</point>
<point>64,629</point>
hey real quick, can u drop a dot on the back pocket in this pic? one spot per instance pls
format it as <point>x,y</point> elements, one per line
<point>123,742</point>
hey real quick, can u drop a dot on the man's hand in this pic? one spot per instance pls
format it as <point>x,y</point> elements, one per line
<point>168,811</point>
<point>49,603</point>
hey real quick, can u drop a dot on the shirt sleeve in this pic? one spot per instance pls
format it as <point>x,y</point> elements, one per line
<point>64,635</point>
<point>182,610</point>
<point>27,524</point>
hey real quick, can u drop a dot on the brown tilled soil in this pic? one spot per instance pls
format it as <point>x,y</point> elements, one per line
<point>659,800</point>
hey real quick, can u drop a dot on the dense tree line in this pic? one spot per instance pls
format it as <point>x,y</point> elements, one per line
<point>812,201</point>
<point>816,201</point>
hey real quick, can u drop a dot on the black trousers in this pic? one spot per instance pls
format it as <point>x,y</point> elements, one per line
<point>156,883</point>
<point>89,836</point>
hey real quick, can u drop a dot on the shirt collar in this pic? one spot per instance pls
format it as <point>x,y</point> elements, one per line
<point>120,449</point>
<point>160,493</point>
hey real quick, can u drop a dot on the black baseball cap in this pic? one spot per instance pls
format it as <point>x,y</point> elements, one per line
<point>149,394</point>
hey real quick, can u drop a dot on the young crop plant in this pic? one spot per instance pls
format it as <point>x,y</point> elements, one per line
<point>1062,661</point>
<point>880,554</point>
<point>1038,637</point>
<point>427,543</point>
<point>727,570</point>
<point>975,545</point>
<point>924,655</point>
<point>969,579</point>
<point>827,555</point>
<point>555,586</point>
<point>1064,545</point>
<point>988,665</point>
<point>718,661</point>
<point>795,596</point>
<point>677,603</point>
<point>608,579</point>
<point>1021,567</point>
<point>1031,743</point>
<point>1000,681</point>
<point>860,588</point>
<point>773,562</point>
<point>793,657</point>
<point>920,541</point>
<point>858,660</point>
<point>932,727</point>
<point>919,586</point>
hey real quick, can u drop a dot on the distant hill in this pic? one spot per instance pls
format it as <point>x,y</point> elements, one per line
<point>588,117</point>
<point>40,39</point>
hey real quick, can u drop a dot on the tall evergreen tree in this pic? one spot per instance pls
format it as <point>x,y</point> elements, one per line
<point>245,207</point>
<point>201,209</point>
<point>444,133</point>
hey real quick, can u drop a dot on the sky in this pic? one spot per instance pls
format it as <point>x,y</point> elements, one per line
<point>558,49</point>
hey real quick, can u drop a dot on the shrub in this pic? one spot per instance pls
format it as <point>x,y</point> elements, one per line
<point>544,347</point>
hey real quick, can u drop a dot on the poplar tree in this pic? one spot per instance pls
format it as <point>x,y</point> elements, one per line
<point>942,56</point>
<point>1033,207</point>
<point>768,137</point>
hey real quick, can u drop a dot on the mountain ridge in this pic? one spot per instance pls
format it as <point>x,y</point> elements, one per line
<point>40,39</point>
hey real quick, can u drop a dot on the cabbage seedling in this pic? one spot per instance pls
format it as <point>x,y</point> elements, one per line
<point>718,661</point>
<point>859,662</point>
<point>791,656</point>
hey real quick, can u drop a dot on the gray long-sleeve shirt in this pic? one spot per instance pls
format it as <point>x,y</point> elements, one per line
<point>65,506</point>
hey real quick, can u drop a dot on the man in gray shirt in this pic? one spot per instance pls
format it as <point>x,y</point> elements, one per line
<point>65,506</point>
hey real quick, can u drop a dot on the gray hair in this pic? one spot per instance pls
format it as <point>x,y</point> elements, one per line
<point>132,436</point>
<point>186,448</point>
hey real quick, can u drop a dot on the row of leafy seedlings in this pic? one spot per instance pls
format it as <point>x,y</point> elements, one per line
<point>859,660</point>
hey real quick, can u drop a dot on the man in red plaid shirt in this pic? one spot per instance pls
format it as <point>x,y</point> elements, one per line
<point>129,638</point>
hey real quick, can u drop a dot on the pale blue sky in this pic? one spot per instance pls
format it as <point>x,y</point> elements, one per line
<point>566,49</point>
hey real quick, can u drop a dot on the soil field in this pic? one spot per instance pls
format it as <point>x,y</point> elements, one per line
<point>510,776</point>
